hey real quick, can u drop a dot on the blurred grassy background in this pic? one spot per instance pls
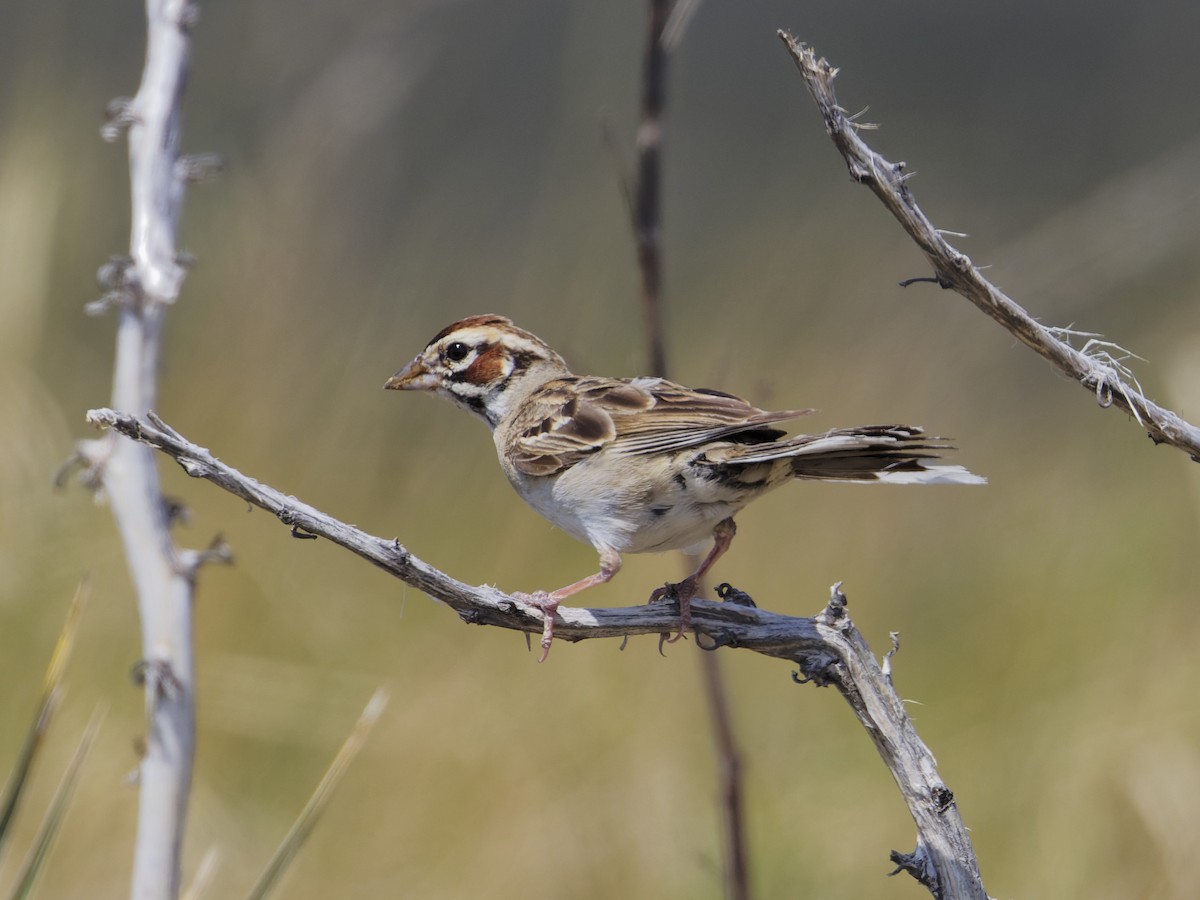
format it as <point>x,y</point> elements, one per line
<point>394,166</point>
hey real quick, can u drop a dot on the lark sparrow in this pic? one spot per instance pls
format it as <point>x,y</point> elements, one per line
<point>642,465</point>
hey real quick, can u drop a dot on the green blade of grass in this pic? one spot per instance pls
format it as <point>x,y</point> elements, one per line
<point>51,694</point>
<point>307,819</point>
<point>48,830</point>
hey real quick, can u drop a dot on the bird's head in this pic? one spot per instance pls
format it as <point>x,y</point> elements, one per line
<point>483,364</point>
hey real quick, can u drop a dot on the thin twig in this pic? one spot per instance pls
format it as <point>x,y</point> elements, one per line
<point>828,649</point>
<point>952,269</point>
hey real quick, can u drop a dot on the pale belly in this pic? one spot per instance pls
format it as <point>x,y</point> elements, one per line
<point>605,504</point>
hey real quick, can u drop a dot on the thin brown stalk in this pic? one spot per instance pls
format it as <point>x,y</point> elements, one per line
<point>665,23</point>
<point>729,779</point>
<point>647,201</point>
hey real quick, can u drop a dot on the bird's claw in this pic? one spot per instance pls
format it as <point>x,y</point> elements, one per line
<point>548,605</point>
<point>683,592</point>
<point>667,592</point>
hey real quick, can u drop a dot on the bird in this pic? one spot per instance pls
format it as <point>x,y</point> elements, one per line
<point>643,465</point>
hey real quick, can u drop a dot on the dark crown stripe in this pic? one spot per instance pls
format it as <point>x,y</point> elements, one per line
<point>471,322</point>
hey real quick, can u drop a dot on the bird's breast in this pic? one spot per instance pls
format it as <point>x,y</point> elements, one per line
<point>635,504</point>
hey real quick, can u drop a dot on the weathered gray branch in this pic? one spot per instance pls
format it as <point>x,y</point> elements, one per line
<point>1094,365</point>
<point>828,648</point>
<point>141,287</point>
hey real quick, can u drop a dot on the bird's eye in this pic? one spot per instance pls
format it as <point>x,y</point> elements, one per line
<point>457,351</point>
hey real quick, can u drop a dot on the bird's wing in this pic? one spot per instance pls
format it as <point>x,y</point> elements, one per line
<point>568,419</point>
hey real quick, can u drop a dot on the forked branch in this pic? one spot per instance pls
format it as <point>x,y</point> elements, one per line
<point>828,649</point>
<point>1093,366</point>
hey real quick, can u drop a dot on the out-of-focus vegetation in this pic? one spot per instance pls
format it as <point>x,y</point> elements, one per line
<point>394,166</point>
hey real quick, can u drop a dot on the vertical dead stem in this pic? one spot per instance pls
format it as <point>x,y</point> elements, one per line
<point>162,575</point>
<point>647,226</point>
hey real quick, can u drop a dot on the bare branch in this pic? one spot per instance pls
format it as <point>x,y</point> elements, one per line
<point>828,648</point>
<point>1099,373</point>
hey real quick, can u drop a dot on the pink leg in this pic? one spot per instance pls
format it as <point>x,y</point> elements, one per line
<point>685,590</point>
<point>548,602</point>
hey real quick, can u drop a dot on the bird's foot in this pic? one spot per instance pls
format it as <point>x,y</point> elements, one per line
<point>683,591</point>
<point>548,604</point>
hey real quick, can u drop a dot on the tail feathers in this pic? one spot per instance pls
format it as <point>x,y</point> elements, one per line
<point>895,454</point>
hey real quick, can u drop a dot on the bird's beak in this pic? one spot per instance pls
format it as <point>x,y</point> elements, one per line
<point>413,377</point>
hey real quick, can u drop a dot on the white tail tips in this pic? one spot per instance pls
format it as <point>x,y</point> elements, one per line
<point>932,475</point>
